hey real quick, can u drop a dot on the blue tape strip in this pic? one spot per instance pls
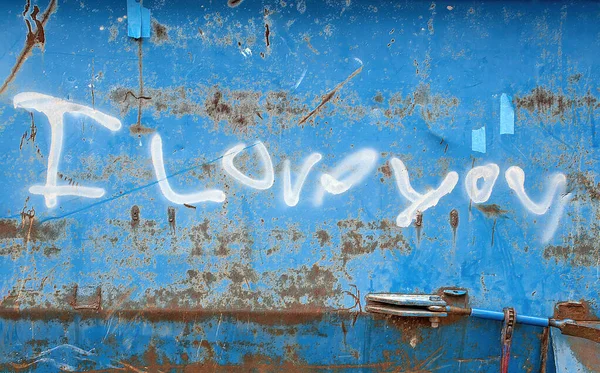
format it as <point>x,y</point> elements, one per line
<point>138,20</point>
<point>507,116</point>
<point>478,140</point>
<point>134,19</point>
<point>145,22</point>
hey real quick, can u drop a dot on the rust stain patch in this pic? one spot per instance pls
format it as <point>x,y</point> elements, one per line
<point>583,251</point>
<point>33,38</point>
<point>386,171</point>
<point>432,107</point>
<point>491,211</point>
<point>160,33</point>
<point>359,238</point>
<point>550,106</point>
<point>323,237</point>
<point>171,218</point>
<point>586,182</point>
<point>30,228</point>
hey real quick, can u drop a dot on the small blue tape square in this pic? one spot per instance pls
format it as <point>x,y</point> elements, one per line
<point>478,140</point>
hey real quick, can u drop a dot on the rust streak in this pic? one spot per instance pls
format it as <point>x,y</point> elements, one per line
<point>33,38</point>
<point>330,95</point>
<point>141,82</point>
<point>267,33</point>
<point>129,93</point>
<point>27,6</point>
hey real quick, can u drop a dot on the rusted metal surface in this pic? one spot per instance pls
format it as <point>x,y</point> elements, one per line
<point>376,107</point>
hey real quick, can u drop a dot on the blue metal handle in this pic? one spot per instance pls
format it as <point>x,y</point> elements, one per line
<point>499,316</point>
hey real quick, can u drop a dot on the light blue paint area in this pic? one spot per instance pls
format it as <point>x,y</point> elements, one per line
<point>507,116</point>
<point>138,20</point>
<point>478,140</point>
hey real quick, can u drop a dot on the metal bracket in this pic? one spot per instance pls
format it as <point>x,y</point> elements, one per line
<point>510,317</point>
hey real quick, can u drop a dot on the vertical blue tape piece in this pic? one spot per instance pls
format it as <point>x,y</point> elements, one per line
<point>138,20</point>
<point>134,19</point>
<point>145,22</point>
<point>507,116</point>
<point>478,140</point>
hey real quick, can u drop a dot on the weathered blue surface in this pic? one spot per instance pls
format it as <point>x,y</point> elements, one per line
<point>405,81</point>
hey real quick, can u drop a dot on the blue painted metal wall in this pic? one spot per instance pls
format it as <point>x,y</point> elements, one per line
<point>252,282</point>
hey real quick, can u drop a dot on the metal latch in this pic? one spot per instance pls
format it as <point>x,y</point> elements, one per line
<point>435,307</point>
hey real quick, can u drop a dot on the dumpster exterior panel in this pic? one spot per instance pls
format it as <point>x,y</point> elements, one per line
<point>222,194</point>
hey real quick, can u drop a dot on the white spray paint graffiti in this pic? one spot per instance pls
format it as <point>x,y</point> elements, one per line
<point>515,177</point>
<point>55,109</point>
<point>489,173</point>
<point>420,202</point>
<point>211,195</point>
<point>291,194</point>
<point>262,184</point>
<point>354,168</point>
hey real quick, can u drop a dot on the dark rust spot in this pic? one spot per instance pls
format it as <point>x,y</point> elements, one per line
<point>491,211</point>
<point>234,3</point>
<point>138,129</point>
<point>323,237</point>
<point>267,33</point>
<point>135,216</point>
<point>160,33</point>
<point>386,170</point>
<point>454,218</point>
<point>171,217</point>
<point>51,251</point>
<point>419,225</point>
<point>454,222</point>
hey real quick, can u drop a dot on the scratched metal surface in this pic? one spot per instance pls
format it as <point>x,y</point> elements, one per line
<point>132,271</point>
